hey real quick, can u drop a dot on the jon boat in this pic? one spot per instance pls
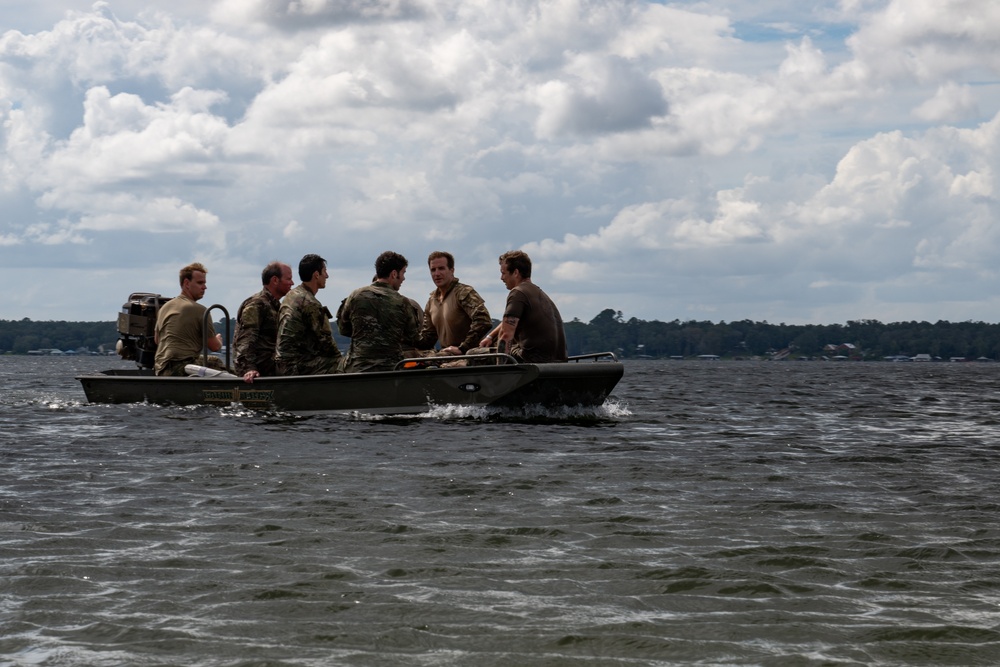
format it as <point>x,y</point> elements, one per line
<point>414,386</point>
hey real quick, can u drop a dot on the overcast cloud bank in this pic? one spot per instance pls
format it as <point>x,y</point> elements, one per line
<point>672,161</point>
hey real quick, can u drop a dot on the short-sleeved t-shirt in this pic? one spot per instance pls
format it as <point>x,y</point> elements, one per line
<point>539,337</point>
<point>179,331</point>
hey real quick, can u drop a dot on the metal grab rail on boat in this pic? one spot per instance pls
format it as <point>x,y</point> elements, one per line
<point>502,359</point>
<point>204,333</point>
<point>593,355</point>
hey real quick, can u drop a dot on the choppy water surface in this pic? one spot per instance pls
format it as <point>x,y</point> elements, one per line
<point>731,513</point>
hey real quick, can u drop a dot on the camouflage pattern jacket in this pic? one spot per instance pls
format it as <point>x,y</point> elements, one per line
<point>381,324</point>
<point>458,318</point>
<point>256,334</point>
<point>305,340</point>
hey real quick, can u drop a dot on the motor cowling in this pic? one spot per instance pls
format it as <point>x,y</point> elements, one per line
<point>136,328</point>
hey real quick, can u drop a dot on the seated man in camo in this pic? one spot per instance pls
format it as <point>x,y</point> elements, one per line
<point>305,339</point>
<point>379,320</point>
<point>257,324</point>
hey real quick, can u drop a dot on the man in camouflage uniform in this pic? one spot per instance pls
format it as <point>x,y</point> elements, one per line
<point>305,340</point>
<point>379,320</point>
<point>257,324</point>
<point>455,315</point>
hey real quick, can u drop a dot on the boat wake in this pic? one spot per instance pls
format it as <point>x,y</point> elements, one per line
<point>610,411</point>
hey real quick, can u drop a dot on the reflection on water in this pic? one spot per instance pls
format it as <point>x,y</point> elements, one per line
<point>729,513</point>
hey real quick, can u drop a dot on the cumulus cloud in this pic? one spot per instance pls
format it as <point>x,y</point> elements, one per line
<point>312,14</point>
<point>897,205</point>
<point>605,95</point>
<point>695,158</point>
<point>928,40</point>
<point>951,102</point>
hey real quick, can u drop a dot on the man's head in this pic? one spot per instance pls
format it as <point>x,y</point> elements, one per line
<point>390,267</point>
<point>193,281</point>
<point>312,269</point>
<point>442,267</point>
<point>515,267</point>
<point>277,278</point>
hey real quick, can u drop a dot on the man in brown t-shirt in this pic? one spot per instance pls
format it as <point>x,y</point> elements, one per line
<point>532,327</point>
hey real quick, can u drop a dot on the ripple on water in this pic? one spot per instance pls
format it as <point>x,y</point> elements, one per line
<point>707,513</point>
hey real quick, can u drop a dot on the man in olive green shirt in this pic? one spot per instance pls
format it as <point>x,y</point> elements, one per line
<point>180,322</point>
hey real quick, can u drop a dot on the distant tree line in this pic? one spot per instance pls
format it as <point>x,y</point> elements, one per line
<point>19,336</point>
<point>858,339</point>
<point>632,338</point>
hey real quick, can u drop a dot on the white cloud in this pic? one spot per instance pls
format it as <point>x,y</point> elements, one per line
<point>764,160</point>
<point>604,95</point>
<point>927,40</point>
<point>951,102</point>
<point>315,13</point>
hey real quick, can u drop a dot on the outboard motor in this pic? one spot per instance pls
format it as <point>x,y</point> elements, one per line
<point>136,324</point>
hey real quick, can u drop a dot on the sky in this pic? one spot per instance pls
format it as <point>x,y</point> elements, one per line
<point>778,160</point>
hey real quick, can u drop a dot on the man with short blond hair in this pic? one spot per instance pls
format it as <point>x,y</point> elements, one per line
<point>180,332</point>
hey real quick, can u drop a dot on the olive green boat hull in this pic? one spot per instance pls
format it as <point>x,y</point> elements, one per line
<point>390,392</point>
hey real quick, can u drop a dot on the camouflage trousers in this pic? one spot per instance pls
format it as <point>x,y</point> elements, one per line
<point>177,368</point>
<point>490,361</point>
<point>311,366</point>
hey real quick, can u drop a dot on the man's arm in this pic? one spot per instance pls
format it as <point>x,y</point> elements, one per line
<point>490,338</point>
<point>479,318</point>
<point>246,344</point>
<point>319,319</point>
<point>214,343</point>
<point>428,335</point>
<point>507,328</point>
<point>344,320</point>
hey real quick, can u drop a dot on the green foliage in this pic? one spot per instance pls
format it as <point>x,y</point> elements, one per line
<point>609,330</point>
<point>867,339</point>
<point>23,335</point>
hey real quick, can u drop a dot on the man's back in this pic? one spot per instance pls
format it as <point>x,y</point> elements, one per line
<point>179,334</point>
<point>540,336</point>
<point>380,323</point>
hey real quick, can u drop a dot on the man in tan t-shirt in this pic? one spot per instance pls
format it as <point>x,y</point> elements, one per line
<point>179,323</point>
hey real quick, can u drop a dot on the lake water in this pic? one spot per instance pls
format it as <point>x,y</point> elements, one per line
<point>714,513</point>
